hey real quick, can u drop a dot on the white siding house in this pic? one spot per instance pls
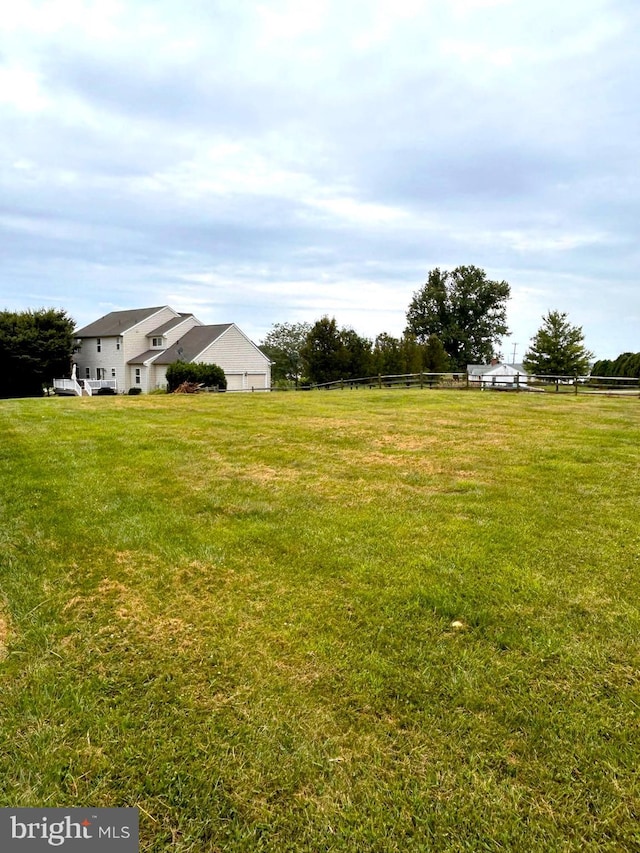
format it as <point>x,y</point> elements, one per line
<point>133,348</point>
<point>498,375</point>
<point>245,367</point>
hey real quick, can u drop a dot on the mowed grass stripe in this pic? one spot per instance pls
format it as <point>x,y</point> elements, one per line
<point>335,621</point>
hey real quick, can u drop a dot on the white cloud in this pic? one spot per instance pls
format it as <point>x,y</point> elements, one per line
<point>319,157</point>
<point>21,89</point>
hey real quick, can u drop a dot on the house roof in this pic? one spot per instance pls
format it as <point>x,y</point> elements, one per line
<point>145,356</point>
<point>483,369</point>
<point>192,343</point>
<point>116,323</point>
<point>170,324</point>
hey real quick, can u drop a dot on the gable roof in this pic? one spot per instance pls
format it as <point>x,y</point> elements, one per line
<point>117,322</point>
<point>192,343</point>
<point>501,368</point>
<point>170,324</point>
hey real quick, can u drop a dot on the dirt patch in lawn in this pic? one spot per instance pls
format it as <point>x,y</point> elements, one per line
<point>4,634</point>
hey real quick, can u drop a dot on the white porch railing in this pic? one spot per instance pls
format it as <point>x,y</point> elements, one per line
<point>94,385</point>
<point>67,386</point>
<point>88,387</point>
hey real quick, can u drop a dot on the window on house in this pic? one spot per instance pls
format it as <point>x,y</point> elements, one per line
<point>113,373</point>
<point>118,343</point>
<point>98,345</point>
<point>137,376</point>
<point>156,342</point>
<point>87,373</point>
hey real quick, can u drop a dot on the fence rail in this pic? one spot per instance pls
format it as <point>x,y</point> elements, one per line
<point>595,385</point>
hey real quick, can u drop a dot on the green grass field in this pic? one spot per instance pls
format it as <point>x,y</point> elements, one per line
<point>346,621</point>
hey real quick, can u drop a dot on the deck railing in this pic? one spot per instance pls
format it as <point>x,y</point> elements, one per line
<point>89,387</point>
<point>68,385</point>
<point>94,385</point>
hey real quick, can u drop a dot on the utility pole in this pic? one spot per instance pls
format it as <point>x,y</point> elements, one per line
<point>513,358</point>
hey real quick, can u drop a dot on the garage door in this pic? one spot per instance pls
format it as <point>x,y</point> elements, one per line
<point>257,381</point>
<point>234,381</point>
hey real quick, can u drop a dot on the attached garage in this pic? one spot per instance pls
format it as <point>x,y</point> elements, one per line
<point>245,366</point>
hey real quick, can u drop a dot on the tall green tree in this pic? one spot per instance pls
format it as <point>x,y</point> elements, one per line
<point>331,353</point>
<point>355,355</point>
<point>412,353</point>
<point>283,345</point>
<point>435,358</point>
<point>557,348</point>
<point>36,347</point>
<point>465,310</point>
<point>387,358</point>
<point>322,352</point>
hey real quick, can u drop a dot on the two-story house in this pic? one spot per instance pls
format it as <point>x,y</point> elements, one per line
<point>133,348</point>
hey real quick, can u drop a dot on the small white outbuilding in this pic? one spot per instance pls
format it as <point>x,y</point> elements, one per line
<point>498,375</point>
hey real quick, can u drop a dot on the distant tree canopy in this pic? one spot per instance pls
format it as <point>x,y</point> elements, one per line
<point>200,373</point>
<point>331,353</point>
<point>396,356</point>
<point>557,349</point>
<point>36,347</point>
<point>465,310</point>
<point>627,365</point>
<point>283,345</point>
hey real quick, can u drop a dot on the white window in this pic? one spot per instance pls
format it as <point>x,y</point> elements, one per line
<point>113,373</point>
<point>118,340</point>
<point>156,342</point>
<point>137,376</point>
<point>87,373</point>
<point>98,345</point>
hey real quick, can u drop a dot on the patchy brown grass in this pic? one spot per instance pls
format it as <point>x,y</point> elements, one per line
<point>4,634</point>
<point>375,621</point>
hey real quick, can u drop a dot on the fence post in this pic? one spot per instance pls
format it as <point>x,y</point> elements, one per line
<point>517,381</point>
<point>379,380</point>
<point>575,383</point>
<point>467,375</point>
<point>421,380</point>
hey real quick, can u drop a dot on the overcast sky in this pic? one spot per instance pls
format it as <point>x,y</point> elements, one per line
<point>264,162</point>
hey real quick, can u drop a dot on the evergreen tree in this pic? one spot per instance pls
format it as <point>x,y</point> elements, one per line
<point>322,352</point>
<point>557,349</point>
<point>412,354</point>
<point>435,358</point>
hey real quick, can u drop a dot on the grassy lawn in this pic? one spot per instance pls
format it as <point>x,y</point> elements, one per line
<point>347,621</point>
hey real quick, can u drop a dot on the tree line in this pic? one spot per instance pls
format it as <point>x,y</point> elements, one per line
<point>625,365</point>
<point>456,318</point>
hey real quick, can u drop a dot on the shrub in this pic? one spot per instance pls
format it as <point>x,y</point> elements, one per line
<point>209,375</point>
